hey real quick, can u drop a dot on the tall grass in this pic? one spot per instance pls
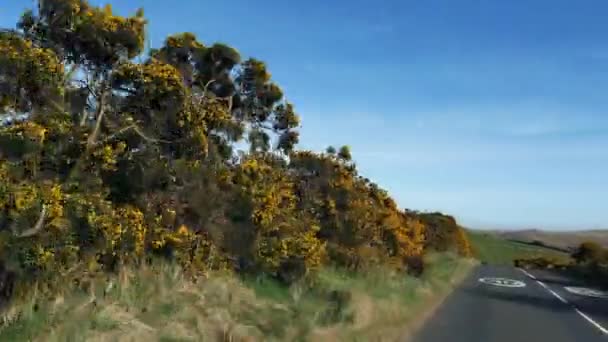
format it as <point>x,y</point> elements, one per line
<point>157,303</point>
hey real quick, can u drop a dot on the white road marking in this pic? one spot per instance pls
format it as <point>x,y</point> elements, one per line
<point>582,314</point>
<point>504,282</point>
<point>552,292</point>
<point>596,324</point>
<point>528,274</point>
<point>583,291</point>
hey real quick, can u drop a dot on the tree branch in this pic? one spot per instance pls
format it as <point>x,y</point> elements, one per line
<point>120,131</point>
<point>229,101</point>
<point>38,227</point>
<point>141,134</point>
<point>99,118</point>
<point>207,86</point>
<point>136,130</point>
<point>86,84</point>
<point>261,125</point>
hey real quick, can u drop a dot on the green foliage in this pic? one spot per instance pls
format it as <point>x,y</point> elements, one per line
<point>245,86</point>
<point>344,153</point>
<point>85,34</point>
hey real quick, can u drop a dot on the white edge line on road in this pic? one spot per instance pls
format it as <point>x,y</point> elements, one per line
<point>528,274</point>
<point>553,292</point>
<point>597,325</point>
<point>582,314</point>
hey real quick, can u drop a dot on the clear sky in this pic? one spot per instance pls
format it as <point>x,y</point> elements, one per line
<point>494,111</point>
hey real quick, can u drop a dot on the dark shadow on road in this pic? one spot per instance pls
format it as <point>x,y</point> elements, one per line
<point>564,278</point>
<point>595,307</point>
<point>557,281</point>
<point>558,277</point>
<point>560,281</point>
<point>518,295</point>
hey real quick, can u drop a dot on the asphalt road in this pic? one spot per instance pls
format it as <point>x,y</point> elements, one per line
<point>542,310</point>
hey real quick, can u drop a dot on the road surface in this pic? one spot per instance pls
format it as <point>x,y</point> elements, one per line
<point>536,307</point>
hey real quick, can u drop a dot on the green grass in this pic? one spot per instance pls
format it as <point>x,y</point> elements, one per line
<point>494,250</point>
<point>157,303</point>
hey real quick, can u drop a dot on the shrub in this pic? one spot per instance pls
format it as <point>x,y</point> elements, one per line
<point>590,252</point>
<point>540,263</point>
<point>415,265</point>
<point>124,161</point>
<point>442,233</point>
<point>592,263</point>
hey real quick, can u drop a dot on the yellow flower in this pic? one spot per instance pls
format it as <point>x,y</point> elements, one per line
<point>183,230</point>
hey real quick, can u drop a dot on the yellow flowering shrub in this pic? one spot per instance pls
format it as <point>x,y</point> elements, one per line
<point>122,232</point>
<point>134,232</point>
<point>359,221</point>
<point>27,70</point>
<point>41,239</point>
<point>118,160</point>
<point>25,196</point>
<point>22,139</point>
<point>194,251</point>
<point>443,233</point>
<point>107,155</point>
<point>282,234</point>
<point>463,244</point>
<point>154,81</point>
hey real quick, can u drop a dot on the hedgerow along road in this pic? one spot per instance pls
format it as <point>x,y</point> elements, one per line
<point>500,303</point>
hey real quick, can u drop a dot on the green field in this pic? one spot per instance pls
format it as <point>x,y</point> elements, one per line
<point>494,250</point>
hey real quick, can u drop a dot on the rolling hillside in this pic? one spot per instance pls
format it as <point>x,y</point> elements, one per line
<point>562,240</point>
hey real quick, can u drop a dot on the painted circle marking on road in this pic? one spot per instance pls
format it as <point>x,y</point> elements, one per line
<point>503,282</point>
<point>583,291</point>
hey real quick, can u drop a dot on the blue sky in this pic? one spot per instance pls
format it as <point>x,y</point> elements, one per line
<point>493,111</point>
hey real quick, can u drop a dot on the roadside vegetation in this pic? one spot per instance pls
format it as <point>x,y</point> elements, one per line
<point>124,199</point>
<point>161,303</point>
<point>589,262</point>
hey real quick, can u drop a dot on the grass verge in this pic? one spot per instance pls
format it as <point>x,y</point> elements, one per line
<point>156,303</point>
<point>494,250</point>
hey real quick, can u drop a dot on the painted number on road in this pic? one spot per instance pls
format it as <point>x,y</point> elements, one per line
<point>583,291</point>
<point>504,282</point>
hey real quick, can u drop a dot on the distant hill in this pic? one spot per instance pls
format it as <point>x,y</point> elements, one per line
<point>564,240</point>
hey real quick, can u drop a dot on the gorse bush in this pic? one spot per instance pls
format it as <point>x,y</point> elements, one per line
<point>443,233</point>
<point>541,262</point>
<point>590,253</point>
<point>592,262</point>
<point>118,160</point>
